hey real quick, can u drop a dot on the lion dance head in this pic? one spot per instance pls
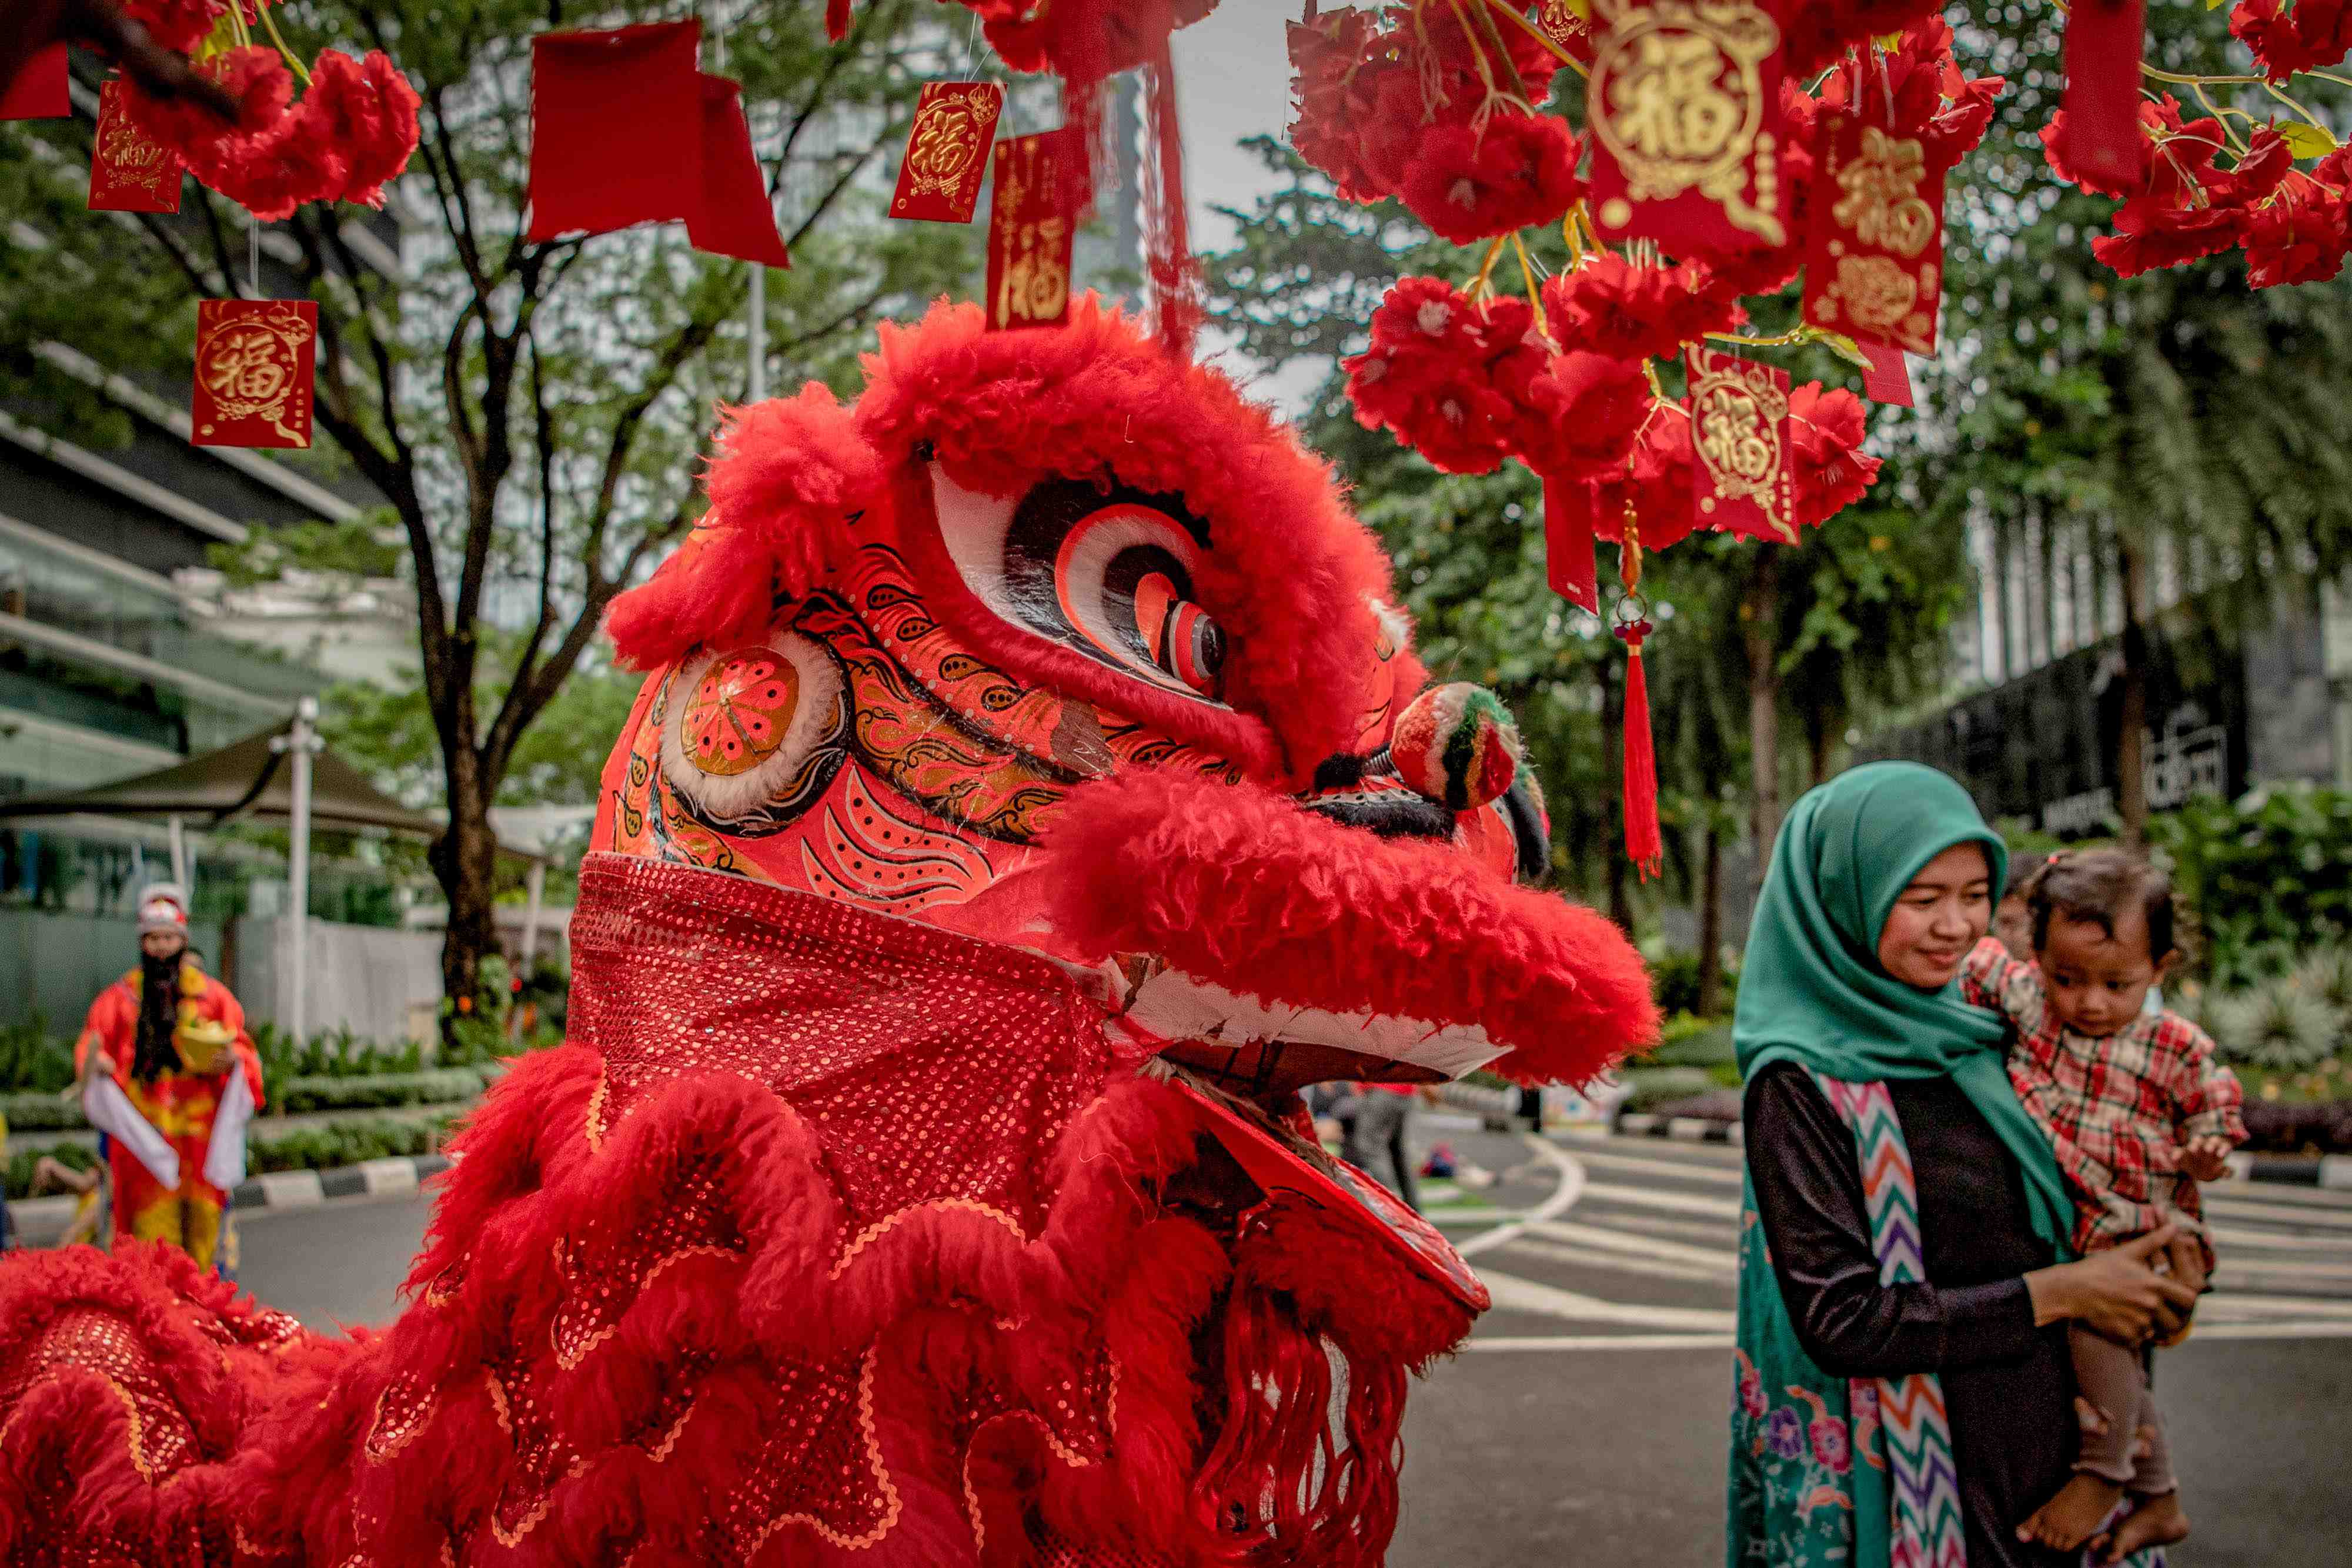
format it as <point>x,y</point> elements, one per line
<point>1032,786</point>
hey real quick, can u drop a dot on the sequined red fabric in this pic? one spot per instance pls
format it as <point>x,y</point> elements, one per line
<point>829,1238</point>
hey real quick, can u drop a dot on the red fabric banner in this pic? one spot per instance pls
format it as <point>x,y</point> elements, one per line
<point>2105,39</point>
<point>1743,481</point>
<point>626,130</point>
<point>130,172</point>
<point>39,90</point>
<point>946,151</point>
<point>1567,543</point>
<point>735,216</point>
<point>1031,232</point>
<point>1888,379</point>
<point>1876,266</point>
<point>1685,103</point>
<point>256,364</point>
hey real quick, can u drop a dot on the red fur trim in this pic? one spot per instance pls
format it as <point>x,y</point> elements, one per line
<point>789,473</point>
<point>1249,891</point>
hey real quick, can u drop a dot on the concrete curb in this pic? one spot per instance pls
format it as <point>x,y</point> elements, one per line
<point>1682,1129</point>
<point>275,1189</point>
<point>2331,1173</point>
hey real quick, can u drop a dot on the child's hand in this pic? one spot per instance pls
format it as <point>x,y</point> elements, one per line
<point>2206,1158</point>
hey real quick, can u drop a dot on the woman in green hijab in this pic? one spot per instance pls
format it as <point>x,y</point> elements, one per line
<point>1904,1393</point>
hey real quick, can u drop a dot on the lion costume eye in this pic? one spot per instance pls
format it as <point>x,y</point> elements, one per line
<point>751,735</point>
<point>1109,575</point>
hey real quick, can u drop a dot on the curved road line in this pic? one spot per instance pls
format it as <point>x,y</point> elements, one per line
<point>1563,1197</point>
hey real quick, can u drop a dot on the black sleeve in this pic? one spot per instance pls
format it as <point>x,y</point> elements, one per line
<point>1800,1156</point>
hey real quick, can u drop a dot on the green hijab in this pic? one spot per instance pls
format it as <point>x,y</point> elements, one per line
<point>1811,990</point>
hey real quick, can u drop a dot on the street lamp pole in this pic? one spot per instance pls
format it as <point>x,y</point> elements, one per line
<point>300,744</point>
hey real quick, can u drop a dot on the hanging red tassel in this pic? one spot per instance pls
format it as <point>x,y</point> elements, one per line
<point>1643,844</point>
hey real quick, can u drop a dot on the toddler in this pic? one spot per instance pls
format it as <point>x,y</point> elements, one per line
<point>2138,1111</point>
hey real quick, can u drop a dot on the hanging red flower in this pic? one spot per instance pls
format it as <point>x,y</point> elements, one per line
<point>1580,415</point>
<point>2314,35</point>
<point>1334,94</point>
<point>1813,32</point>
<point>2191,210</point>
<point>353,129</point>
<point>1618,308</point>
<point>1472,182</point>
<point>1826,430</point>
<point>1650,491</point>
<point>1430,375</point>
<point>178,26</point>
<point>2301,234</point>
<point>1915,91</point>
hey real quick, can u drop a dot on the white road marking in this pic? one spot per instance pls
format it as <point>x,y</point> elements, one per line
<point>1672,1202</point>
<point>1588,1258</point>
<point>1514,1294</point>
<point>1571,1189</point>
<point>1721,1259</point>
<point>1603,1341</point>
<point>1694,1170</point>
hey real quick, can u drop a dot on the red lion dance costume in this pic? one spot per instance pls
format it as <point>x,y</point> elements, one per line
<point>1026,799</point>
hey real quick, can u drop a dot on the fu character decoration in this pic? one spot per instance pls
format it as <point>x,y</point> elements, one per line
<point>130,171</point>
<point>1627,376</point>
<point>256,368</point>
<point>948,151</point>
<point>1031,233</point>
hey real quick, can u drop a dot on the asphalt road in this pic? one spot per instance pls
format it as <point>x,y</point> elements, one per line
<point>1584,1422</point>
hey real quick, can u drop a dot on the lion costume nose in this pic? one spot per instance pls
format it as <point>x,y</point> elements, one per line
<point>1456,745</point>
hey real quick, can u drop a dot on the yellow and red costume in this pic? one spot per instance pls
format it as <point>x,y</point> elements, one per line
<point>183,1104</point>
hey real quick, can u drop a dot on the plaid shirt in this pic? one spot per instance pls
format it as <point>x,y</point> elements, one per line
<point>2118,1110</point>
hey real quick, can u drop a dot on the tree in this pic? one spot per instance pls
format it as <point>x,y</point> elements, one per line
<point>2102,424</point>
<point>533,413</point>
<point>1824,632</point>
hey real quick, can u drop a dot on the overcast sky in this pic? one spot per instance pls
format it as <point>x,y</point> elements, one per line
<point>1233,80</point>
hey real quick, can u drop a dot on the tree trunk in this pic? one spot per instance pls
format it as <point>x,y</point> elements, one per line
<point>1821,743</point>
<point>1759,616</point>
<point>1711,924</point>
<point>465,859</point>
<point>1612,752</point>
<point>2131,749</point>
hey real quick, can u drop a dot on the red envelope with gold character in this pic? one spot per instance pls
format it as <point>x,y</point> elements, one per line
<point>255,363</point>
<point>130,172</point>
<point>1031,232</point>
<point>1685,104</point>
<point>1743,479</point>
<point>946,151</point>
<point>1876,266</point>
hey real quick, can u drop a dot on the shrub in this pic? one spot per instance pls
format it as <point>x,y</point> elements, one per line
<point>2279,1025</point>
<point>18,1173</point>
<point>2326,976</point>
<point>1674,979</point>
<point>1649,1087</point>
<point>31,1061</point>
<point>2266,874</point>
<point>1694,1042</point>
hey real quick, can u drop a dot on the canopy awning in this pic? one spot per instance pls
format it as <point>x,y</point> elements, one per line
<point>248,779</point>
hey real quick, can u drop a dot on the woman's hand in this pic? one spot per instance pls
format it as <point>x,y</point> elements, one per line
<point>2118,1293</point>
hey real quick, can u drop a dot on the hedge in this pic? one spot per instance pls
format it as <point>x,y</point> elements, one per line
<point>295,1097</point>
<point>343,1142</point>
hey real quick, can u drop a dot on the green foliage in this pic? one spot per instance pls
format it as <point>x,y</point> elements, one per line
<point>348,1142</point>
<point>1650,1087</point>
<point>1673,980</point>
<point>16,1173</point>
<point>440,1086</point>
<point>1694,1042</point>
<point>2280,1026</point>
<point>2268,874</point>
<point>31,1061</point>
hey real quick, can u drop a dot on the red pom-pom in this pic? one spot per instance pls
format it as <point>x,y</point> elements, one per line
<point>1429,376</point>
<point>1627,311</point>
<point>1580,415</point>
<point>366,112</point>
<point>1471,184</point>
<point>1826,429</point>
<point>1456,744</point>
<point>2316,34</point>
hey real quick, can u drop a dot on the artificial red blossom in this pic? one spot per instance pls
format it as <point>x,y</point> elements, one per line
<point>1814,33</point>
<point>1916,90</point>
<point>1826,433</point>
<point>1580,415</point>
<point>2190,209</point>
<point>353,129</point>
<point>1373,100</point>
<point>1628,311</point>
<point>1470,182</point>
<point>178,26</point>
<point>366,112</point>
<point>2316,34</point>
<point>1430,375</point>
<point>1649,495</point>
<point>2300,236</point>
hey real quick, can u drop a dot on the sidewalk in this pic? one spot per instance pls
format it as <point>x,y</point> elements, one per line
<point>39,1221</point>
